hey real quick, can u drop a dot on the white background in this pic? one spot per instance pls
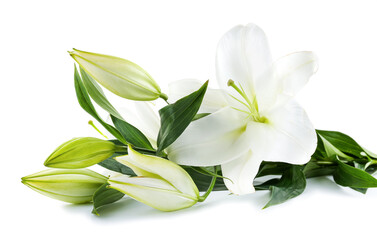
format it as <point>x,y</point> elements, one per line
<point>174,40</point>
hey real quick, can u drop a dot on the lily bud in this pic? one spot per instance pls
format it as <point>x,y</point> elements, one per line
<point>80,153</point>
<point>160,183</point>
<point>72,186</point>
<point>120,76</point>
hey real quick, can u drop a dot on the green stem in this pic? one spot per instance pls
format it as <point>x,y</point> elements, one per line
<point>370,161</point>
<point>165,97</point>
<point>325,162</point>
<point>210,188</point>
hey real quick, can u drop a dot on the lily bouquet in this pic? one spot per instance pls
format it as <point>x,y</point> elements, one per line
<point>204,139</point>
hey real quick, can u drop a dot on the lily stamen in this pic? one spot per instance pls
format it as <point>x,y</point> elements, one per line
<point>252,106</point>
<point>90,122</point>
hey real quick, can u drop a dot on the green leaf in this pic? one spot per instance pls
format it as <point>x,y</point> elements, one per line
<point>86,104</point>
<point>341,142</point>
<point>272,168</point>
<point>360,190</point>
<point>115,166</point>
<point>97,94</point>
<point>132,135</point>
<point>313,169</point>
<point>203,181</point>
<point>267,185</point>
<point>320,152</point>
<point>104,196</point>
<point>291,184</point>
<point>176,117</point>
<point>200,115</point>
<point>206,171</point>
<point>348,176</point>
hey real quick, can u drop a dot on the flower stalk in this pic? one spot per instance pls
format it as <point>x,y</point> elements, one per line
<point>209,190</point>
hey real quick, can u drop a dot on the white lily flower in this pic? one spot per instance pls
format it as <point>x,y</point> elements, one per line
<point>160,183</point>
<point>260,120</point>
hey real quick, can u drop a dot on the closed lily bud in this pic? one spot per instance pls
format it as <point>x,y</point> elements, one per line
<point>159,183</point>
<point>80,153</point>
<point>72,186</point>
<point>120,76</point>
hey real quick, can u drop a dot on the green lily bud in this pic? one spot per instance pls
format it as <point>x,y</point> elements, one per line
<point>120,76</point>
<point>80,153</point>
<point>160,183</point>
<point>73,186</point>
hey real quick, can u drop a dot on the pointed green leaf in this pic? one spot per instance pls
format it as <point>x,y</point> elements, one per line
<point>202,181</point>
<point>206,171</point>
<point>177,116</point>
<point>320,152</point>
<point>97,94</point>
<point>342,143</point>
<point>200,115</point>
<point>86,104</point>
<point>360,190</point>
<point>313,169</point>
<point>104,196</point>
<point>115,166</point>
<point>291,184</point>
<point>272,168</point>
<point>132,135</point>
<point>267,185</point>
<point>348,176</point>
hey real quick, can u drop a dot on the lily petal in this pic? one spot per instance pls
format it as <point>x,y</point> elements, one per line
<point>241,172</point>
<point>156,167</point>
<point>213,100</point>
<point>212,140</point>
<point>242,55</point>
<point>287,76</point>
<point>290,135</point>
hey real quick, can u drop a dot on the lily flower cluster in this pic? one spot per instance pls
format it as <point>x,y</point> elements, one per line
<point>204,139</point>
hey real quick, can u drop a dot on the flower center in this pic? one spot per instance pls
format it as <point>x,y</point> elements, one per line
<point>251,105</point>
